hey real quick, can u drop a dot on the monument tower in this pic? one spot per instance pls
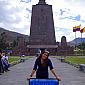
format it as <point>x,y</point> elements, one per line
<point>42,33</point>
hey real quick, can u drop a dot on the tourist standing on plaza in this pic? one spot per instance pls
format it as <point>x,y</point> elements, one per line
<point>41,67</point>
<point>1,65</point>
<point>5,62</point>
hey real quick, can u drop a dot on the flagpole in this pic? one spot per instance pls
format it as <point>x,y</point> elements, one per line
<point>81,44</point>
<point>81,41</point>
<point>75,44</point>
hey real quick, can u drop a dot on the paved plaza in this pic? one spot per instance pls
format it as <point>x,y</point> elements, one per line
<point>17,75</point>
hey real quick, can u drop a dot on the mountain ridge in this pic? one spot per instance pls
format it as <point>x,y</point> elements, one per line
<point>76,41</point>
<point>11,35</point>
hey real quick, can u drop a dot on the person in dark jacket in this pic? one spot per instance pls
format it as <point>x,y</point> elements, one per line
<point>41,67</point>
<point>1,65</point>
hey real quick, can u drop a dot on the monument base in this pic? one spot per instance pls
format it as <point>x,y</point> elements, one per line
<point>33,49</point>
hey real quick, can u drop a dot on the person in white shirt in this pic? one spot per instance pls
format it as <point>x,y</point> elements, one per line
<point>5,62</point>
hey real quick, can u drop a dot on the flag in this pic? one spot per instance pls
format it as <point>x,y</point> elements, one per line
<point>74,29</point>
<point>78,27</point>
<point>82,30</point>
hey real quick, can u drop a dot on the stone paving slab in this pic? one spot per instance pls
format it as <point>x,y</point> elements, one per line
<point>17,75</point>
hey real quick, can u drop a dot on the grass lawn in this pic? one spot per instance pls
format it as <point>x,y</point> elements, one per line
<point>16,59</point>
<point>75,60</point>
<point>13,58</point>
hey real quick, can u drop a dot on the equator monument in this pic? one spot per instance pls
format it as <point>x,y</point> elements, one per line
<point>42,33</point>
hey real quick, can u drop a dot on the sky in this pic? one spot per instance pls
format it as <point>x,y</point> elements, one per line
<point>15,15</point>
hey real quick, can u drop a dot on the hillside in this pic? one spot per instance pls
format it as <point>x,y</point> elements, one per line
<point>77,41</point>
<point>11,36</point>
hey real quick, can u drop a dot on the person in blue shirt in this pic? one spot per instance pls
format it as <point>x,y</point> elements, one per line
<point>41,67</point>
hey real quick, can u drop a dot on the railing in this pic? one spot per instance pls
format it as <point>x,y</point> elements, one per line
<point>49,81</point>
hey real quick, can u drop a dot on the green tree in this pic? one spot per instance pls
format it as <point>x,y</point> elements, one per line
<point>3,44</point>
<point>14,43</point>
<point>81,46</point>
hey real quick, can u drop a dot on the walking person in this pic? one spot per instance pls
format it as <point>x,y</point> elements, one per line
<point>41,67</point>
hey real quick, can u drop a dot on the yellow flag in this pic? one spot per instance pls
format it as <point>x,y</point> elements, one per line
<point>84,29</point>
<point>78,26</point>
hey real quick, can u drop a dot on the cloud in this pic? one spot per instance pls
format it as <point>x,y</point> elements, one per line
<point>77,18</point>
<point>26,1</point>
<point>61,12</point>
<point>14,16</point>
<point>30,11</point>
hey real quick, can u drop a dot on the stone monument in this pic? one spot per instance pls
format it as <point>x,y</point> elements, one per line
<point>64,49</point>
<point>42,33</point>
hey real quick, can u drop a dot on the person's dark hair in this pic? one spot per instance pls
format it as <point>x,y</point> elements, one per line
<point>45,51</point>
<point>45,61</point>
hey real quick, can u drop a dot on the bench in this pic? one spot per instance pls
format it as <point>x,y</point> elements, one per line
<point>82,67</point>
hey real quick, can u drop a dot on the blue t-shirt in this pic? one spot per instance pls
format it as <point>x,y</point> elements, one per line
<point>42,70</point>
